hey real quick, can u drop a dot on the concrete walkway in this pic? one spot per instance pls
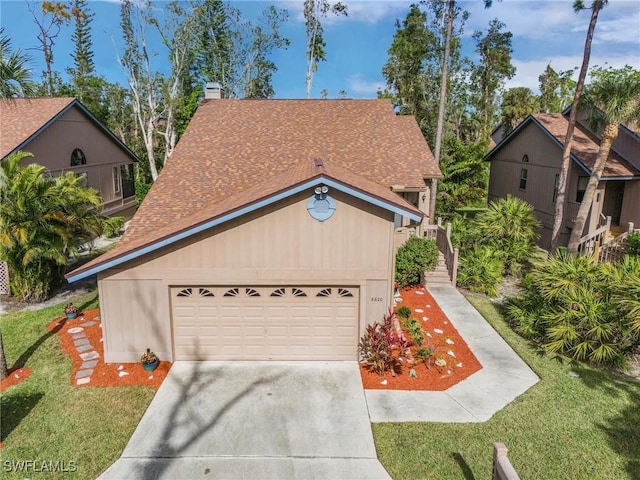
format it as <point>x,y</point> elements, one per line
<point>503,378</point>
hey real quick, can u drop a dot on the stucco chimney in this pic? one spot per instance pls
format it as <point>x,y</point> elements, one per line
<point>212,91</point>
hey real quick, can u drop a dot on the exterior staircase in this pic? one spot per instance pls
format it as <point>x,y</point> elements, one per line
<point>440,275</point>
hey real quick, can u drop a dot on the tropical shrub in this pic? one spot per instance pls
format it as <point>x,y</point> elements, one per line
<point>43,221</point>
<point>403,311</point>
<point>112,226</point>
<point>413,328</point>
<point>509,226</point>
<point>465,234</point>
<point>573,306</point>
<point>480,270</point>
<point>377,346</point>
<point>633,244</point>
<point>415,257</point>
<point>141,190</point>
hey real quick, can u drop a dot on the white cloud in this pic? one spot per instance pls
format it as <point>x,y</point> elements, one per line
<point>359,85</point>
<point>370,12</point>
<point>618,22</point>
<point>527,72</point>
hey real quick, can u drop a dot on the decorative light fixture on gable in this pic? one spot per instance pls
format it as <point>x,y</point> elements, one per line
<point>321,206</point>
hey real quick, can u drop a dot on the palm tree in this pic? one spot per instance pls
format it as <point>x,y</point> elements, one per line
<point>613,98</point>
<point>14,74</point>
<point>578,5</point>
<point>509,226</point>
<point>42,222</point>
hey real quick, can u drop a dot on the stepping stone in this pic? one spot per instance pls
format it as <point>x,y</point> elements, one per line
<point>122,374</point>
<point>437,330</point>
<point>419,292</point>
<point>83,381</point>
<point>425,318</point>
<point>75,330</point>
<point>88,324</point>
<point>418,310</point>
<point>76,336</point>
<point>450,352</point>
<point>83,373</point>
<point>89,356</point>
<point>81,341</point>
<point>89,364</point>
<point>84,348</point>
<point>449,341</point>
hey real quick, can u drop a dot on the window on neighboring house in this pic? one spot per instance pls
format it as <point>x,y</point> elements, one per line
<point>582,187</point>
<point>78,158</point>
<point>555,188</point>
<point>525,158</point>
<point>523,179</point>
<point>116,179</point>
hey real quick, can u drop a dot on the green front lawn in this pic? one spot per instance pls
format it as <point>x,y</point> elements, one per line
<point>562,428</point>
<point>45,418</point>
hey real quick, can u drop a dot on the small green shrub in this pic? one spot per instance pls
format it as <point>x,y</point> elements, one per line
<point>413,328</point>
<point>480,270</point>
<point>633,244</point>
<point>424,355</point>
<point>403,312</point>
<point>415,257</point>
<point>112,226</point>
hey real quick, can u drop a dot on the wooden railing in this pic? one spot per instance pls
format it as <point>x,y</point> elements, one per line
<point>502,468</point>
<point>442,237</point>
<point>613,250</point>
<point>591,242</point>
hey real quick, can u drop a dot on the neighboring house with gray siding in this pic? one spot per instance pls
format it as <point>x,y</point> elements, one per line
<point>65,137</point>
<point>526,164</point>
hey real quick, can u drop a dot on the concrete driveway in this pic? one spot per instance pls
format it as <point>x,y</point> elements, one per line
<point>254,420</point>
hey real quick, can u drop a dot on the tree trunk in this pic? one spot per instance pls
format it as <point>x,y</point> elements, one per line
<point>441,107</point>
<point>608,136</point>
<point>566,153</point>
<point>3,361</point>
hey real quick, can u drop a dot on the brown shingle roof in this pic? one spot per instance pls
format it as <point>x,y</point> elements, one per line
<point>231,145</point>
<point>237,152</point>
<point>287,180</point>
<point>584,147</point>
<point>20,118</point>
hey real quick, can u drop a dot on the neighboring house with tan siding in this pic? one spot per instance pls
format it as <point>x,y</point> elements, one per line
<point>65,137</point>
<point>269,235</point>
<point>526,164</point>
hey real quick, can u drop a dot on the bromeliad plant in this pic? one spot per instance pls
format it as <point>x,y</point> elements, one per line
<point>381,347</point>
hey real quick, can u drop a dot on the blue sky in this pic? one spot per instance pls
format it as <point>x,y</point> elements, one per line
<point>543,32</point>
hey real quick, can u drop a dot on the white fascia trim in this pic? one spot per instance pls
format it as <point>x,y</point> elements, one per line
<point>238,213</point>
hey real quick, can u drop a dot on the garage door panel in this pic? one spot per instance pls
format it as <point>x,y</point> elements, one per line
<point>253,325</point>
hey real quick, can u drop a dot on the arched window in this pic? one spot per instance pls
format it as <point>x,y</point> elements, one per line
<point>78,158</point>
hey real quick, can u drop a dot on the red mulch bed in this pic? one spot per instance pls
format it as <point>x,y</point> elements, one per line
<point>463,365</point>
<point>14,377</point>
<point>104,374</point>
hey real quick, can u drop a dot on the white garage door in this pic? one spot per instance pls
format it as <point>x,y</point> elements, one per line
<point>265,323</point>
